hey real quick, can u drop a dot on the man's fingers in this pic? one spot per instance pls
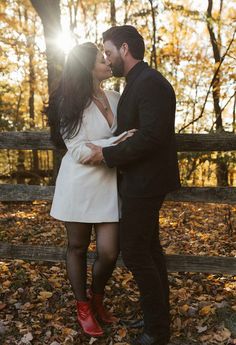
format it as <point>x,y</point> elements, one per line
<point>91,146</point>
<point>85,161</point>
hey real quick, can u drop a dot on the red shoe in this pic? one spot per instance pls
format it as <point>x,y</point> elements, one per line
<point>98,307</point>
<point>87,319</point>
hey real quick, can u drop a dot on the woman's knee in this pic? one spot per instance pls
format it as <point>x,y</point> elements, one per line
<point>108,257</point>
<point>77,249</point>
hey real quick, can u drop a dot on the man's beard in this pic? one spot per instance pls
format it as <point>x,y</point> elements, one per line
<point>118,68</point>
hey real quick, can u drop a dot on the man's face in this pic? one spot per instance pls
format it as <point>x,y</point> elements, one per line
<point>114,59</point>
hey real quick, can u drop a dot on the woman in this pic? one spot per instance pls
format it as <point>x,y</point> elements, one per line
<point>80,111</point>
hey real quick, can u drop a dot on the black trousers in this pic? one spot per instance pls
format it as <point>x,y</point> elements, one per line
<point>142,254</point>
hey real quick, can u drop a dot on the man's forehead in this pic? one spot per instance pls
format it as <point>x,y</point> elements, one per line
<point>109,45</point>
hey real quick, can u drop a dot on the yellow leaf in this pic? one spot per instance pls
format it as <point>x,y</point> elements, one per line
<point>184,308</point>
<point>69,331</point>
<point>127,278</point>
<point>207,310</point>
<point>44,295</point>
<point>48,316</point>
<point>4,268</point>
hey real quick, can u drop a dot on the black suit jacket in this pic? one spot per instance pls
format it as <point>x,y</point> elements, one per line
<point>147,161</point>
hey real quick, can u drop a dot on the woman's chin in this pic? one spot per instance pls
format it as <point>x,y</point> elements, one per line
<point>107,76</point>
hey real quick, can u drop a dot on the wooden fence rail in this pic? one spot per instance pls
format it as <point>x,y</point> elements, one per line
<point>23,192</point>
<point>175,263</point>
<point>185,142</point>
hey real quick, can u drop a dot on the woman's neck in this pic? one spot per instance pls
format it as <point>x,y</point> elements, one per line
<point>97,89</point>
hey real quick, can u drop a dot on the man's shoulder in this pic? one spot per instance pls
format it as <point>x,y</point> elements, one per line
<point>151,77</point>
<point>150,73</point>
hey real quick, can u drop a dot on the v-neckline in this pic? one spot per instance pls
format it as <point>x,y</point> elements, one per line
<point>101,114</point>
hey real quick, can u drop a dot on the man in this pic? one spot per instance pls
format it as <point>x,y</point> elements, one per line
<point>148,170</point>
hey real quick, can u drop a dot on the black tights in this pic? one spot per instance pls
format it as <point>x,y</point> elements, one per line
<point>107,245</point>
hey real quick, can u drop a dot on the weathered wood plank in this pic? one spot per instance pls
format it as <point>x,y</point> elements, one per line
<point>185,142</point>
<point>24,192</point>
<point>175,263</point>
<point>21,192</point>
<point>220,195</point>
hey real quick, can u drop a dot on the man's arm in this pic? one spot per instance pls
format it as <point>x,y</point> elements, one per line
<point>80,148</point>
<point>96,155</point>
<point>156,107</point>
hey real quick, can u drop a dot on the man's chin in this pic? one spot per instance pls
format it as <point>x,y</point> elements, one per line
<point>117,74</point>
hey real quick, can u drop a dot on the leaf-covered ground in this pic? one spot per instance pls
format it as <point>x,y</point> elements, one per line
<point>37,305</point>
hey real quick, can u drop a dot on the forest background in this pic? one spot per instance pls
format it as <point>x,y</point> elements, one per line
<point>191,42</point>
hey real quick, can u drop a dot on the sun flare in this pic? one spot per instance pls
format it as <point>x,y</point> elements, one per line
<point>65,42</point>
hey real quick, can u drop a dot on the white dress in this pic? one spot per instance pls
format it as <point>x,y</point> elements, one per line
<point>86,193</point>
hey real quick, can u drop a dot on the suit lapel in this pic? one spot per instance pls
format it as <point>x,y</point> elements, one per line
<point>135,72</point>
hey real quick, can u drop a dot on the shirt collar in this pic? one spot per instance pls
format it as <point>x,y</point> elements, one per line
<point>135,71</point>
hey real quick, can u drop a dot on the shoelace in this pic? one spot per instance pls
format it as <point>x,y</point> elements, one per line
<point>144,339</point>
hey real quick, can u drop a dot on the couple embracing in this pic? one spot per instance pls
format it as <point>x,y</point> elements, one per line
<point>120,163</point>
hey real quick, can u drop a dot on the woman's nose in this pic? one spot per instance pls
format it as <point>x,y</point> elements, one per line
<point>108,62</point>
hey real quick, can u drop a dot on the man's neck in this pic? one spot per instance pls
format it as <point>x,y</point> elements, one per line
<point>129,65</point>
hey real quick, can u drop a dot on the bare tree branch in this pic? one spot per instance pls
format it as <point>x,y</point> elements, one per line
<point>211,84</point>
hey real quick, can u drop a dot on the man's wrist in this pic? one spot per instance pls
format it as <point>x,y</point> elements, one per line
<point>103,159</point>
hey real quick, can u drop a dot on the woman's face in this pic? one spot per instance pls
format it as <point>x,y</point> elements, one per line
<point>101,71</point>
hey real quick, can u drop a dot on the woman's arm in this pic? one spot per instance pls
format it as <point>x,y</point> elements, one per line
<point>80,151</point>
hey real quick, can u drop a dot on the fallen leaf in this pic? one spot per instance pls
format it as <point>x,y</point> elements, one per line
<point>122,332</point>
<point>201,329</point>
<point>44,295</point>
<point>222,335</point>
<point>208,309</point>
<point>26,339</point>
<point>2,306</point>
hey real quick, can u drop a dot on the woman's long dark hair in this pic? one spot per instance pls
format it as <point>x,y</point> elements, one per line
<point>73,94</point>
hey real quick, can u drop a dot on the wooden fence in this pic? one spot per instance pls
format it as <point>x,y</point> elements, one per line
<point>175,263</point>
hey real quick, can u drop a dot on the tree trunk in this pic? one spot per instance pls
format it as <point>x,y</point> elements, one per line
<point>113,23</point>
<point>20,167</point>
<point>154,53</point>
<point>234,115</point>
<point>50,13</point>
<point>113,12</point>
<point>221,165</point>
<point>30,42</point>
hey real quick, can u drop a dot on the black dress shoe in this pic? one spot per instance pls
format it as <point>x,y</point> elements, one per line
<point>133,323</point>
<point>146,339</point>
<point>136,324</point>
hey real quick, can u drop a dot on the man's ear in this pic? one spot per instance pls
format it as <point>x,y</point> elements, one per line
<point>124,49</point>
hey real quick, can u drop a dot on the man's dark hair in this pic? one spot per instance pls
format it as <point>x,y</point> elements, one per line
<point>126,34</point>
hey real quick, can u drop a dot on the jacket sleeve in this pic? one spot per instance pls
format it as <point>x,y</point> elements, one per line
<point>156,110</point>
<point>79,150</point>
